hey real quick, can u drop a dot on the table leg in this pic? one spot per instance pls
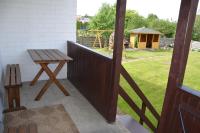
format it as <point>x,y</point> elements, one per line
<point>52,76</point>
<point>37,77</point>
<point>43,90</point>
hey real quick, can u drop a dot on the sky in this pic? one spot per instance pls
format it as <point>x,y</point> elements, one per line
<point>165,9</point>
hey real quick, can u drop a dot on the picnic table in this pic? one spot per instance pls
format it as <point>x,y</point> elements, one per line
<point>44,57</point>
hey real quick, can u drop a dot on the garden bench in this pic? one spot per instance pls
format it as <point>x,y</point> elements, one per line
<point>12,85</point>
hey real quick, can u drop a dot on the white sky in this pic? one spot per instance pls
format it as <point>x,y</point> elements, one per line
<point>165,9</point>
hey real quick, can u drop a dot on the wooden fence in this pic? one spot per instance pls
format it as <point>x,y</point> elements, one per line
<point>89,41</point>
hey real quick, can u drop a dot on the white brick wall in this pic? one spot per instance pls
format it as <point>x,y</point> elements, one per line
<point>35,24</point>
<point>1,97</point>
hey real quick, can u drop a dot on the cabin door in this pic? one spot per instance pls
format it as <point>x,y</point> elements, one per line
<point>149,41</point>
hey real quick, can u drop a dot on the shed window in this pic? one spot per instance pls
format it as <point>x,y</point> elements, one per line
<point>142,38</point>
<point>155,38</point>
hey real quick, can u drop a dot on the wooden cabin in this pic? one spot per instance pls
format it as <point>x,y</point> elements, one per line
<point>145,37</point>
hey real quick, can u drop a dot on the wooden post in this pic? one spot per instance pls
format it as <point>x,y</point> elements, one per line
<point>146,40</point>
<point>186,21</point>
<point>143,112</point>
<point>117,55</point>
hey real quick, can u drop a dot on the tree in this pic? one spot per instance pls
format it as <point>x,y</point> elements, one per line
<point>196,29</point>
<point>104,19</point>
<point>152,16</point>
<point>152,20</point>
<point>134,20</point>
<point>164,26</point>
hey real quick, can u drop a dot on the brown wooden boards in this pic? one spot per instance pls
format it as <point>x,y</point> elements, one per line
<point>34,55</point>
<point>18,75</point>
<point>13,76</point>
<point>117,54</point>
<point>47,55</point>
<point>91,74</point>
<point>30,128</point>
<point>171,120</point>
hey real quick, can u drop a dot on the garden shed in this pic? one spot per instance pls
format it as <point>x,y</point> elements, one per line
<point>146,38</point>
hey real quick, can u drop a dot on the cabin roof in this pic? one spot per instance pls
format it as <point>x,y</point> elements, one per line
<point>145,30</point>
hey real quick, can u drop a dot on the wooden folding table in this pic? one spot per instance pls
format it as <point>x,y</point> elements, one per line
<point>44,57</point>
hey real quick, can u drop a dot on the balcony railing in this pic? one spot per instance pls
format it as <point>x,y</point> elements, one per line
<point>91,73</point>
<point>145,102</point>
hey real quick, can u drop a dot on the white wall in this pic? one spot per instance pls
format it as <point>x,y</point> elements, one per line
<point>35,24</point>
<point>1,97</point>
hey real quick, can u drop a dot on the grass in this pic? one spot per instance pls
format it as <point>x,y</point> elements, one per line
<point>150,70</point>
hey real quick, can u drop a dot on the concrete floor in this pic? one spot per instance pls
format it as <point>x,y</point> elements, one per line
<point>86,118</point>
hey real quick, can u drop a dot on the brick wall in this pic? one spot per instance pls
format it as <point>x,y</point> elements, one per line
<point>1,97</point>
<point>35,24</point>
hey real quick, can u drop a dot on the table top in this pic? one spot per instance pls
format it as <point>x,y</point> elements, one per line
<point>47,55</point>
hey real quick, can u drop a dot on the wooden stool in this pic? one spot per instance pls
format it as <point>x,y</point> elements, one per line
<point>12,85</point>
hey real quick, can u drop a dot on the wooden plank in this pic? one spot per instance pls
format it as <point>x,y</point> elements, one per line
<point>51,56</point>
<point>138,91</point>
<point>91,74</point>
<point>185,24</point>
<point>47,55</point>
<point>43,56</point>
<point>117,55</point>
<point>12,130</point>
<point>33,128</point>
<point>187,39</point>
<point>8,73</point>
<point>13,75</point>
<point>143,111</point>
<point>56,56</point>
<point>18,75</point>
<point>30,128</point>
<point>22,129</point>
<point>34,55</point>
<point>130,102</point>
<point>6,130</point>
<point>63,56</point>
<point>37,77</point>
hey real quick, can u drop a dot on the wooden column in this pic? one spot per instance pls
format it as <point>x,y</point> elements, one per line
<point>117,55</point>
<point>185,25</point>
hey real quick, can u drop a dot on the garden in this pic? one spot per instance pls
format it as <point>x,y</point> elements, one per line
<point>150,69</point>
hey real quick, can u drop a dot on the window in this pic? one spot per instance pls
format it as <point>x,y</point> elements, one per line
<point>155,38</point>
<point>142,38</point>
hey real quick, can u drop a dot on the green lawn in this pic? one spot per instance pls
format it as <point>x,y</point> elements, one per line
<point>150,70</point>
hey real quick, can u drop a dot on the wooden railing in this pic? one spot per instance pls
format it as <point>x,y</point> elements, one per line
<point>185,115</point>
<point>91,73</point>
<point>145,102</point>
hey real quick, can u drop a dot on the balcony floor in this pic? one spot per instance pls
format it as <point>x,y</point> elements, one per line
<point>86,118</point>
